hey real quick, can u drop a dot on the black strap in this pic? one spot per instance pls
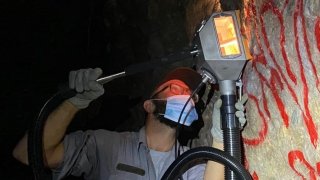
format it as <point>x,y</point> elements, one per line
<point>130,169</point>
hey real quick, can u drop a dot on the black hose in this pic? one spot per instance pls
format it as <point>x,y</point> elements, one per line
<point>183,162</point>
<point>231,131</point>
<point>35,146</point>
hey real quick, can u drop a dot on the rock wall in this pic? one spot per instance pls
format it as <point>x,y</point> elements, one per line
<point>282,134</point>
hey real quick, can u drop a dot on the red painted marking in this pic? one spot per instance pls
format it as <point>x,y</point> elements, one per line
<point>298,155</point>
<point>262,133</point>
<point>306,41</point>
<point>276,95</point>
<point>285,6</point>
<point>246,164</point>
<point>258,58</point>
<point>255,176</point>
<point>318,168</point>
<point>266,7</point>
<point>277,76</point>
<point>245,161</point>
<point>307,116</point>
<point>308,120</point>
<point>261,58</point>
<point>274,87</point>
<point>317,32</point>
<point>264,35</point>
<point>265,103</point>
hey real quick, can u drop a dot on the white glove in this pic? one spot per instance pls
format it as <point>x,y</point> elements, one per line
<point>84,82</point>
<point>216,131</point>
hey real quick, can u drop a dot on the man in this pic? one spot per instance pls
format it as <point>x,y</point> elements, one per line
<point>103,154</point>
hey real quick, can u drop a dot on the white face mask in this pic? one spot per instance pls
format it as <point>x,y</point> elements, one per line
<point>174,107</point>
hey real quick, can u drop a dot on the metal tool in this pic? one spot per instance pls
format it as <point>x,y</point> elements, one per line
<point>109,78</point>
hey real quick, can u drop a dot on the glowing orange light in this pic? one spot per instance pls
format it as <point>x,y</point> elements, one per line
<point>228,41</point>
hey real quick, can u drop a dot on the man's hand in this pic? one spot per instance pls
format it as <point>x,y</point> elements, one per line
<point>84,82</point>
<point>216,131</point>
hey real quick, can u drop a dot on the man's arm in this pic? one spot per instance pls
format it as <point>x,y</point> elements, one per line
<point>84,83</point>
<point>54,131</point>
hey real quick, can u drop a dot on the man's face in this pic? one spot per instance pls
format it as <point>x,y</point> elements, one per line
<point>168,89</point>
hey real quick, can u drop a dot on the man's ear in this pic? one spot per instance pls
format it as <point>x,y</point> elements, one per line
<point>149,106</point>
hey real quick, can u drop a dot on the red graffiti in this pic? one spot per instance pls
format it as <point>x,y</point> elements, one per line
<point>318,168</point>
<point>266,8</point>
<point>275,82</point>
<point>308,120</point>
<point>262,133</point>
<point>285,4</point>
<point>293,156</point>
<point>255,176</point>
<point>299,11</point>
<point>317,32</point>
<point>279,79</point>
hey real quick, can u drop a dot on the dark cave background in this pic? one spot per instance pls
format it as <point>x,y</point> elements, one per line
<point>41,41</point>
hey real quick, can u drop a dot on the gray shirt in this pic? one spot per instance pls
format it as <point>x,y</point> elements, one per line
<point>159,159</point>
<point>104,155</point>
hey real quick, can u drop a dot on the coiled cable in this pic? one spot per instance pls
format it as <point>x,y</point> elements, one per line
<point>188,158</point>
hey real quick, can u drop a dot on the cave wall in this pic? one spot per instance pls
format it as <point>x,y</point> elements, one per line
<point>282,135</point>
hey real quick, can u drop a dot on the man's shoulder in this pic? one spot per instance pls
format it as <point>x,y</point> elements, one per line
<point>101,137</point>
<point>125,136</point>
<point>104,132</point>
